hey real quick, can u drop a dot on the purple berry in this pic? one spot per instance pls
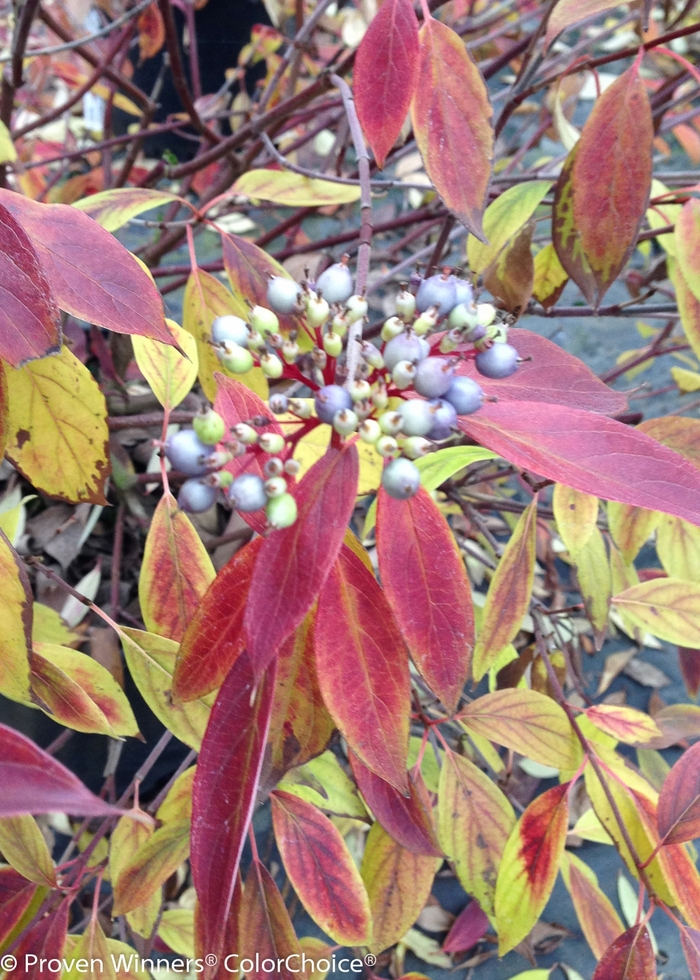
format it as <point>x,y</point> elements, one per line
<point>247,492</point>
<point>444,419</point>
<point>231,328</point>
<point>284,295</point>
<point>405,347</point>
<point>187,453</point>
<point>437,291</point>
<point>401,479</point>
<point>499,361</point>
<point>195,496</point>
<point>335,284</point>
<point>433,377</point>
<point>465,395</point>
<point>331,399</point>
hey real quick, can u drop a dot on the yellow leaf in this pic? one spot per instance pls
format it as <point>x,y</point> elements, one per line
<point>687,381</point>
<point>13,516</point>
<point>57,428</point>
<point>631,527</point>
<point>151,662</point>
<point>596,914</point>
<point>127,837</point>
<point>588,827</point>
<point>576,514</point>
<point>8,153</point>
<point>503,219</point>
<point>177,805</point>
<point>127,962</point>
<point>509,593</point>
<point>24,848</point>
<point>294,190</point>
<point>527,722</point>
<point>660,215</point>
<point>168,372</point>
<point>593,574</point>
<point>96,684</point>
<point>474,822</point>
<point>678,548</point>
<point>89,957</point>
<point>176,929</point>
<point>114,208</point>
<point>398,884</point>
<point>550,276</point>
<point>152,864</point>
<point>206,298</point>
<point>16,618</point>
<point>624,724</point>
<point>324,783</point>
<point>313,445</point>
<point>48,627</point>
<point>668,607</point>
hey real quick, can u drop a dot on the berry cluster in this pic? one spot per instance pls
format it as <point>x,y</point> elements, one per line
<point>405,397</point>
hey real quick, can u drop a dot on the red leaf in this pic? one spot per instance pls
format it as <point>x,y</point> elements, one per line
<point>552,375</point>
<point>609,203</point>
<point>468,928</point>
<point>426,584</point>
<point>690,941</point>
<point>249,268</point>
<point>590,453</point>
<point>407,818</point>
<point>385,75</point>
<point>294,563</point>
<point>90,273</point>
<point>213,640</point>
<point>630,957</point>
<point>224,792</point>
<point>321,869</point>
<point>15,895</point>
<point>266,931</point>
<point>451,117</point>
<point>44,942</point>
<point>678,813</point>
<point>30,322</point>
<point>689,662</point>
<point>34,782</point>
<point>362,668</point>
<point>236,403</point>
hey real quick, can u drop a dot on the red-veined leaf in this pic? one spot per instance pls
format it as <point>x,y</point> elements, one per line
<point>30,322</point>
<point>551,375</point>
<point>630,957</point>
<point>236,403</point>
<point>530,866</point>
<point>595,912</point>
<point>176,571</point>
<point>625,724</point>
<point>590,453</point>
<point>213,639</point>
<point>398,884</point>
<point>680,434</point>
<point>34,782</point>
<point>45,941</point>
<point>321,869</point>
<point>569,12</point>
<point>362,668</point>
<point>527,722</point>
<point>300,726</point>
<point>294,563</point>
<point>668,607</point>
<point>508,597</point>
<point>156,859</point>
<point>451,116</point>
<point>91,275</point>
<point>690,941</point>
<point>385,75</point>
<point>16,894</point>
<point>475,820</point>
<point>407,818</point>
<point>426,584</point>
<point>249,268</point>
<point>609,203</point>
<point>678,812</point>
<point>266,931</point>
<point>688,244</point>
<point>116,207</point>
<point>224,792</point>
<point>469,927</point>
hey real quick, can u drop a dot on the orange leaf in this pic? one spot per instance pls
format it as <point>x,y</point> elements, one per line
<point>266,931</point>
<point>213,639</point>
<point>321,870</point>
<point>151,32</point>
<point>509,593</point>
<point>362,668</point>
<point>530,866</point>
<point>176,571</point>
<point>451,116</point>
<point>433,610</point>
<point>596,914</point>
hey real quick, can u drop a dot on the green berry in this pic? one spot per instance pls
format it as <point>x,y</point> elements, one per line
<point>236,359</point>
<point>317,310</point>
<point>281,511</point>
<point>292,467</point>
<point>332,344</point>
<point>290,351</point>
<point>416,446</point>
<point>370,431</point>
<point>301,407</point>
<point>426,321</point>
<point>271,442</point>
<point>485,314</point>
<point>245,433</point>
<point>405,304</point>
<point>390,423</point>
<point>272,366</point>
<point>403,374</point>
<point>450,341</point>
<point>361,390</point>
<point>356,308</point>
<point>263,320</point>
<point>209,426</point>
<point>345,422</point>
<point>275,486</point>
<point>339,325</point>
<point>462,316</point>
<point>372,355</point>
<point>386,446</point>
<point>392,328</point>
<point>380,398</point>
